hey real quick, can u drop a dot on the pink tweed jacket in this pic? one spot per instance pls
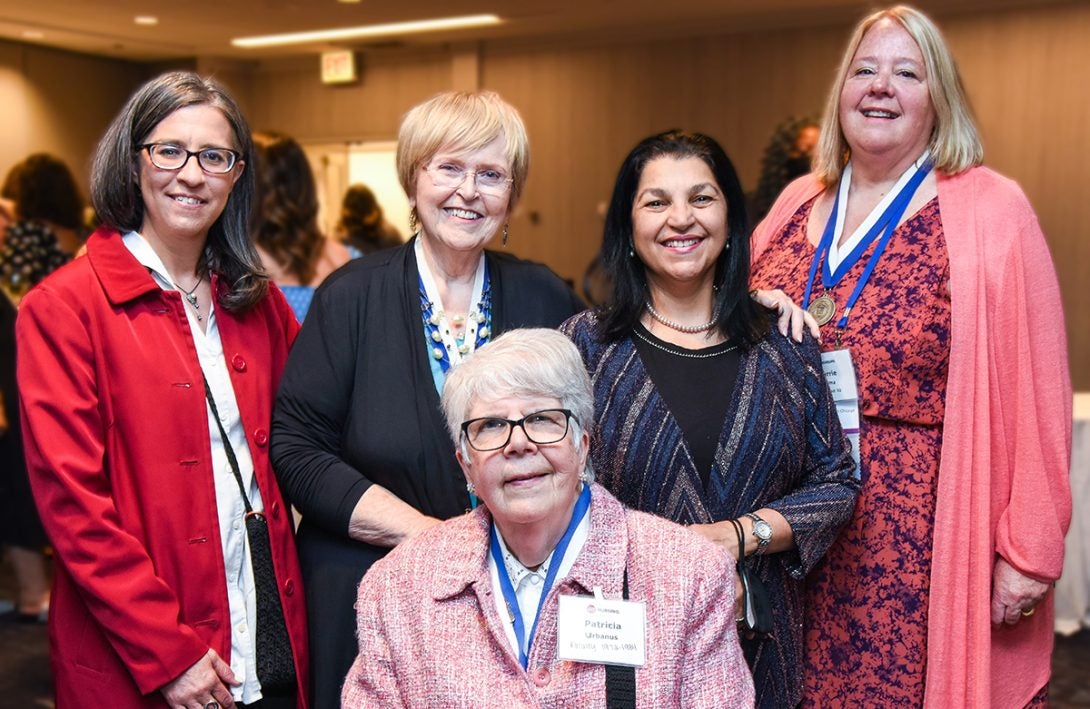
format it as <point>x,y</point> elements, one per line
<point>429,633</point>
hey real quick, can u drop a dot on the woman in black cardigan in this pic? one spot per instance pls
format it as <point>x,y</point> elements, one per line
<point>358,438</point>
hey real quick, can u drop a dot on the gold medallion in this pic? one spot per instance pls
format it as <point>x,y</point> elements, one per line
<point>823,309</point>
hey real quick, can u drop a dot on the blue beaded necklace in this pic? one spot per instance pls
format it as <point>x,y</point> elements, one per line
<point>447,348</point>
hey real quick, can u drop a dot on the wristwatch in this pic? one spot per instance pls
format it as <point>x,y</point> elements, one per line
<point>762,531</point>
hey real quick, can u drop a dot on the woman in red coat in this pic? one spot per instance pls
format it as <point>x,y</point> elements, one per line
<point>147,370</point>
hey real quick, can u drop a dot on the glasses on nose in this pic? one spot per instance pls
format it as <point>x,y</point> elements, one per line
<point>541,427</point>
<point>489,180</point>
<point>167,156</point>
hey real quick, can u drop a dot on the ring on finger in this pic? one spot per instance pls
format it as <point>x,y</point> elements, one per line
<point>1027,612</point>
<point>212,705</point>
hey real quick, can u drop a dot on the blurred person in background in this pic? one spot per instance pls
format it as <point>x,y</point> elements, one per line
<point>362,225</point>
<point>786,158</point>
<point>46,209</point>
<point>293,250</point>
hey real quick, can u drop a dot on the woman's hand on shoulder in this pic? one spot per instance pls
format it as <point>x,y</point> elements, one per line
<point>1014,595</point>
<point>792,317</point>
<point>205,681</point>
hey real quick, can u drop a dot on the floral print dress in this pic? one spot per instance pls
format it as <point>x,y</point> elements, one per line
<point>867,600</point>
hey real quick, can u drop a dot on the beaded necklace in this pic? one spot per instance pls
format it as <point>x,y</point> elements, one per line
<point>446,347</point>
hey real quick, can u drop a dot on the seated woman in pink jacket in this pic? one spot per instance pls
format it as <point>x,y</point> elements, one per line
<point>941,314</point>
<point>550,593</point>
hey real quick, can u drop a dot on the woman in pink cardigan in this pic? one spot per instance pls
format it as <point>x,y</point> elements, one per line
<point>935,291</point>
<point>550,592</point>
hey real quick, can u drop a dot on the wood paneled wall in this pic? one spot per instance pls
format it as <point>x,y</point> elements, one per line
<point>586,104</point>
<point>58,102</point>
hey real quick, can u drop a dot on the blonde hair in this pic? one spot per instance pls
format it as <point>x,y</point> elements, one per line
<point>955,140</point>
<point>461,120</point>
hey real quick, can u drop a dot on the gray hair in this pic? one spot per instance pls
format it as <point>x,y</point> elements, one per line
<point>523,362</point>
<point>115,178</point>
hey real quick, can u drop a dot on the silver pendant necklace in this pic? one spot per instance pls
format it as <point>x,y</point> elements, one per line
<point>191,296</point>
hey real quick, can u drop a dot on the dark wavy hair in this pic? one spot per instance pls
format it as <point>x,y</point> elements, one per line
<point>740,319</point>
<point>286,218</point>
<point>44,189</point>
<point>776,163</point>
<point>362,223</point>
<point>115,179</point>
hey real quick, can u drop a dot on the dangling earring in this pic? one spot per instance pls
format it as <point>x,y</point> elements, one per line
<point>631,250</point>
<point>505,235</point>
<point>471,488</point>
<point>412,219</point>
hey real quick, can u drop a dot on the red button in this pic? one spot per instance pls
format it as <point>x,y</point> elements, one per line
<point>238,363</point>
<point>261,437</point>
<point>289,587</point>
<point>541,677</point>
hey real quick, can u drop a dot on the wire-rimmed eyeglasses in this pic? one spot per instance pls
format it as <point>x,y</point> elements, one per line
<point>450,175</point>
<point>541,427</point>
<point>168,156</point>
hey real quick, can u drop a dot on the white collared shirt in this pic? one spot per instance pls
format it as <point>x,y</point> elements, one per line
<point>528,584</point>
<point>241,595</point>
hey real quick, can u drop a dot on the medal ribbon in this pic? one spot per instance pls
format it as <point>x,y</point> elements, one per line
<point>581,506</point>
<point>887,221</point>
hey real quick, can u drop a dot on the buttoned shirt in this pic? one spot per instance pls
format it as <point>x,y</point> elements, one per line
<point>241,596</point>
<point>529,583</point>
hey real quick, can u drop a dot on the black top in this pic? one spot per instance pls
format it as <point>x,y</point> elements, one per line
<point>357,405</point>
<point>696,386</point>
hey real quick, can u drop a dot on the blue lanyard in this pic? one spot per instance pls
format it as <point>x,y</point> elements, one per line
<point>580,511</point>
<point>888,221</point>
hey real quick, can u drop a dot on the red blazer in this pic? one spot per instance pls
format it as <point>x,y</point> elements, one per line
<point>117,447</point>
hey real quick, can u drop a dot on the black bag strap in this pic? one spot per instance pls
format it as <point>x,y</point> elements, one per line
<point>231,459</point>
<point>621,681</point>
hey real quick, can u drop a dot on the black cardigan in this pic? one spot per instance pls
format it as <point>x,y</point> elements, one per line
<point>357,406</point>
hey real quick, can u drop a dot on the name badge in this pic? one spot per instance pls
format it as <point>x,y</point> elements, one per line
<point>840,375</point>
<point>605,632</point>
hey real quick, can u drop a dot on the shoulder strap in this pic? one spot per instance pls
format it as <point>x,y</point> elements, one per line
<point>621,681</point>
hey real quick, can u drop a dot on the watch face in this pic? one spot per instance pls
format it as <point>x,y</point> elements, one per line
<point>763,530</point>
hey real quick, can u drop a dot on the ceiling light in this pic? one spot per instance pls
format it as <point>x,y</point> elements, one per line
<point>445,23</point>
<point>146,20</point>
<point>33,34</point>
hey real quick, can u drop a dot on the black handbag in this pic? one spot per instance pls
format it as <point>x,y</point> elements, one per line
<point>756,618</point>
<point>275,663</point>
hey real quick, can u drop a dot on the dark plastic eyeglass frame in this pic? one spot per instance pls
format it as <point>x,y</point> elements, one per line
<point>568,416</point>
<point>235,155</point>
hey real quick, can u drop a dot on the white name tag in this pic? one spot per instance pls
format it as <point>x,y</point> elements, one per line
<point>840,374</point>
<point>606,632</point>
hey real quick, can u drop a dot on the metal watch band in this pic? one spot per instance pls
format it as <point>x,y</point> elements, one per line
<point>763,540</point>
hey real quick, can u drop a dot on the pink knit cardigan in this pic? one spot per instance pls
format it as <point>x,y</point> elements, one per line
<point>1003,480</point>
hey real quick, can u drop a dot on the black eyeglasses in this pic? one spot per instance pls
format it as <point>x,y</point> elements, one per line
<point>541,427</point>
<point>167,156</point>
